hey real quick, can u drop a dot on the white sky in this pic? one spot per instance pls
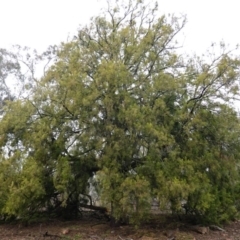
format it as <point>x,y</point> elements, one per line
<point>39,23</point>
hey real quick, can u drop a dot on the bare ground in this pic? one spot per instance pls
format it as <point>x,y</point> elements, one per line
<point>97,229</point>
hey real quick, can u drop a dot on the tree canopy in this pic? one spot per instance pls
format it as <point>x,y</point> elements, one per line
<point>120,109</point>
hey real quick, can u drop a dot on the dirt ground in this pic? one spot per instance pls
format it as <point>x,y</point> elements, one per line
<point>97,229</point>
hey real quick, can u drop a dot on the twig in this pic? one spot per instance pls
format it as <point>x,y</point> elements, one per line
<point>214,227</point>
<point>123,239</point>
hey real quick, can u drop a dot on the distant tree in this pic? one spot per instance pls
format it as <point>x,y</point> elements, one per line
<point>121,104</point>
<point>9,67</point>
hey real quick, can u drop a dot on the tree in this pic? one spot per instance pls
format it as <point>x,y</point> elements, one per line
<point>120,104</point>
<point>8,67</point>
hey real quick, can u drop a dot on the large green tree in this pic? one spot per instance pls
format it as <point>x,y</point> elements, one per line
<point>121,106</point>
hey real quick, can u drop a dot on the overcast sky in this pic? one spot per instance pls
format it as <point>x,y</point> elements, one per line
<point>38,23</point>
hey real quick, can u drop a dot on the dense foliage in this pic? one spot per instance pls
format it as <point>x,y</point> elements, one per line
<point>121,110</point>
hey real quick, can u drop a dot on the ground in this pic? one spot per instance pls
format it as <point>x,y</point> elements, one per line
<point>98,229</point>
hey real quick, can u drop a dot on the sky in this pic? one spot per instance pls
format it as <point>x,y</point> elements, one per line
<point>38,24</point>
